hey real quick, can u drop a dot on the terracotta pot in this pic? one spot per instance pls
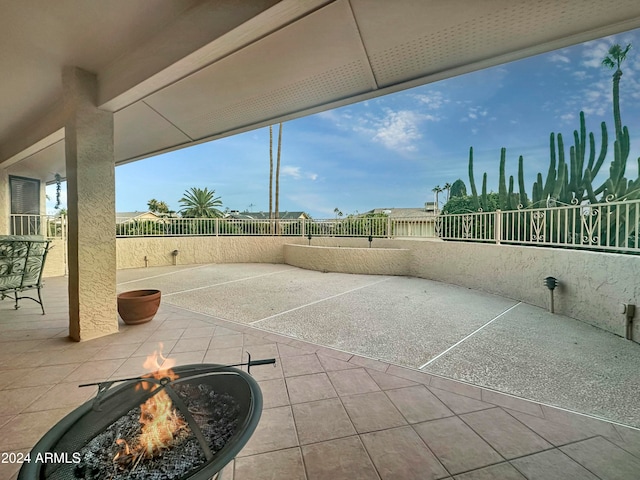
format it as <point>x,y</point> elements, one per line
<point>138,306</point>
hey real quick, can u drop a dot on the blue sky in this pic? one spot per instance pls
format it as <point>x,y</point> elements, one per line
<point>391,151</point>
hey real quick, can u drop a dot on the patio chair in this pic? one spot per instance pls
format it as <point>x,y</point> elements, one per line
<point>22,260</point>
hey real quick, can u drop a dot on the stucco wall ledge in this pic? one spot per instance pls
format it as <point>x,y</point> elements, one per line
<point>371,261</point>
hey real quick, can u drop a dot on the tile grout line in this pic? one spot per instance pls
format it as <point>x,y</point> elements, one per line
<point>224,283</point>
<point>531,429</point>
<point>562,452</point>
<point>318,301</point>
<point>469,336</point>
<point>358,434</point>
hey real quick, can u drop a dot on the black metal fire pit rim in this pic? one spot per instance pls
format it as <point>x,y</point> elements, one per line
<point>32,470</point>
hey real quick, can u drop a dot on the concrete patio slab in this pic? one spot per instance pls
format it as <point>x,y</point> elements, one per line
<point>553,359</point>
<point>402,320</point>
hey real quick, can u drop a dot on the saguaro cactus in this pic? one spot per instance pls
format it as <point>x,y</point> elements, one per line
<point>524,201</point>
<point>502,184</point>
<point>474,191</point>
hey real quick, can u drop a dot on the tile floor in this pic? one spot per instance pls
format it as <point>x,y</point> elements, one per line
<point>327,413</point>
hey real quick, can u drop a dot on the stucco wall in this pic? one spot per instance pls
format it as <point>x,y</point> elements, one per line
<point>55,265</point>
<point>192,250</point>
<point>592,285</point>
<point>371,261</point>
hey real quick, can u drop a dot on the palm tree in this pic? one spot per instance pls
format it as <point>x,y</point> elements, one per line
<point>152,205</point>
<point>199,203</point>
<point>157,206</point>
<point>613,60</point>
<point>437,190</point>
<point>447,187</point>
<point>278,171</point>
<point>270,172</point>
<point>163,207</point>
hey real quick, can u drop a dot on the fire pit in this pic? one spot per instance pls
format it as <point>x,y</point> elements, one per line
<point>211,413</point>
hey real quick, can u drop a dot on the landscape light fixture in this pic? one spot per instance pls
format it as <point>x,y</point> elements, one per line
<point>309,237</point>
<point>370,240</point>
<point>629,311</point>
<point>551,283</point>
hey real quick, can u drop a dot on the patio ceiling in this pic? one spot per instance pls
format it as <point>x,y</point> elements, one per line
<point>187,71</point>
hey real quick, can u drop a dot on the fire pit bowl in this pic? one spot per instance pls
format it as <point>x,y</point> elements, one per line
<point>66,452</point>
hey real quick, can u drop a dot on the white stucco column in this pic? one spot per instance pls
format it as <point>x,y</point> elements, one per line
<point>91,209</point>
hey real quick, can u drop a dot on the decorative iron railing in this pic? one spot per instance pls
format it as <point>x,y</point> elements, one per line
<point>609,226</point>
<point>476,227</point>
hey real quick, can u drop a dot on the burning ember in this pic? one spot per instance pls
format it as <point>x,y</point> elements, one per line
<point>162,426</point>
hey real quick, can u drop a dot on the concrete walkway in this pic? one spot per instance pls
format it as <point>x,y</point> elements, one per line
<point>335,413</point>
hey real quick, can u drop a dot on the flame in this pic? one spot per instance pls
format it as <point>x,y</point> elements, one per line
<point>161,424</point>
<point>159,367</point>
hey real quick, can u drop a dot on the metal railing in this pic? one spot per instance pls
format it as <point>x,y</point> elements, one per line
<point>609,226</point>
<point>345,227</point>
<point>42,225</point>
<point>476,227</point>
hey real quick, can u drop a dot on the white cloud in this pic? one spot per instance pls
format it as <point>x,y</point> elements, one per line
<point>394,129</point>
<point>329,115</point>
<point>474,113</point>
<point>398,130</point>
<point>556,57</point>
<point>595,110</point>
<point>297,173</point>
<point>433,101</point>
<point>290,171</point>
<point>593,95</point>
<point>594,52</point>
<point>596,98</point>
<point>567,117</point>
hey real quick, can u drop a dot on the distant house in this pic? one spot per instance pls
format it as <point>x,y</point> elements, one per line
<point>265,215</point>
<point>128,217</point>
<point>258,223</point>
<point>411,222</point>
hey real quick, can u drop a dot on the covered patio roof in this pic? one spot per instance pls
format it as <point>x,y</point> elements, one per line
<point>188,71</point>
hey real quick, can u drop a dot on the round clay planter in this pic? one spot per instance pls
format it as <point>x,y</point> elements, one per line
<point>138,306</point>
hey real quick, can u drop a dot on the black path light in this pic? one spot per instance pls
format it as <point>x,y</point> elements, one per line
<point>309,237</point>
<point>370,240</point>
<point>551,283</point>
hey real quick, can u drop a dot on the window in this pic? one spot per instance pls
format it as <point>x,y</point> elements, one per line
<point>25,205</point>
